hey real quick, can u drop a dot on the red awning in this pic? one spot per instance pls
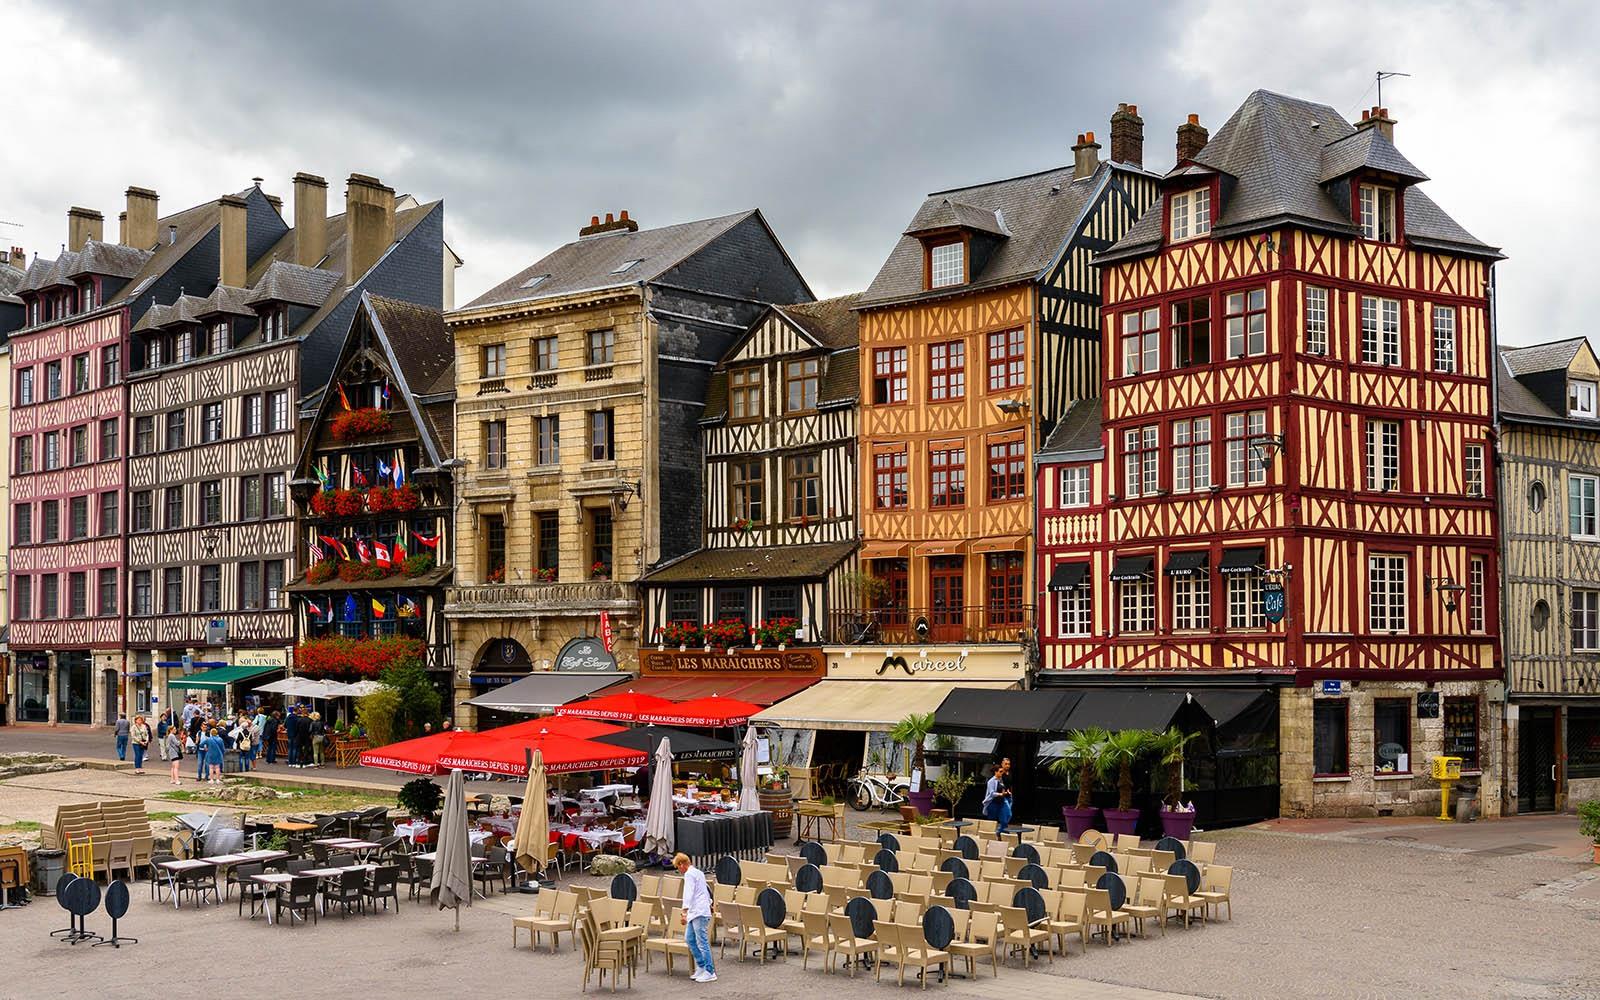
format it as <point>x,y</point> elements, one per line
<point>418,756</point>
<point>562,754</point>
<point>705,712</point>
<point>421,755</point>
<point>620,705</point>
<point>556,725</point>
<point>763,691</point>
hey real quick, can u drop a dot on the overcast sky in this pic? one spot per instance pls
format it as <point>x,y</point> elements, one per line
<point>834,119</point>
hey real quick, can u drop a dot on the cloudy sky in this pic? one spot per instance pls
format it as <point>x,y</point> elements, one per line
<point>834,118</point>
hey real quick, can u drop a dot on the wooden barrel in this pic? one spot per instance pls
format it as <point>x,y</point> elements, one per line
<point>780,803</point>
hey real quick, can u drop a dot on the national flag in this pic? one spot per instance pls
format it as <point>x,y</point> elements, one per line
<point>336,545</point>
<point>409,609</point>
<point>359,476</point>
<point>316,552</point>
<point>351,608</point>
<point>399,468</point>
<point>383,469</point>
<point>386,389</point>
<point>321,472</point>
<point>362,552</point>
<point>377,608</point>
<point>380,552</point>
<point>425,541</point>
<point>399,550</point>
<point>343,399</point>
<point>314,608</point>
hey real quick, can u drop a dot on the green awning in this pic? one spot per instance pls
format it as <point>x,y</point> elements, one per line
<point>219,678</point>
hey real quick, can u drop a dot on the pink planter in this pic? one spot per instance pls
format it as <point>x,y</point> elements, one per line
<point>1121,820</point>
<point>1079,821</point>
<point>1177,824</point>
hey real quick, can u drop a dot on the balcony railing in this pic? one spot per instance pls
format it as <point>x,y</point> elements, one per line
<point>498,598</point>
<point>897,626</point>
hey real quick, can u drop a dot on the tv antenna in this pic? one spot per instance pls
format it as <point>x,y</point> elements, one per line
<point>1382,75</point>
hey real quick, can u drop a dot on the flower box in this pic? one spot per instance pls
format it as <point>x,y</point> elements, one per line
<point>353,425</point>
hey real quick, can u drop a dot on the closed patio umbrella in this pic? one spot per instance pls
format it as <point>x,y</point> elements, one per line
<point>533,827</point>
<point>749,798</point>
<point>660,830</point>
<point>452,863</point>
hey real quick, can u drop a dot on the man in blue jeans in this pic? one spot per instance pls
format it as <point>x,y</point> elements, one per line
<point>697,918</point>
<point>122,736</point>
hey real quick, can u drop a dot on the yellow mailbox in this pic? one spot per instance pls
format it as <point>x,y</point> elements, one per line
<point>1446,771</point>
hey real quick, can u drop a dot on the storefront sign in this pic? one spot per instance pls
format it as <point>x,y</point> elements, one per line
<point>605,630</point>
<point>788,662</point>
<point>260,658</point>
<point>950,663</point>
<point>1333,687</point>
<point>918,665</point>
<point>1272,602</point>
<point>586,655</point>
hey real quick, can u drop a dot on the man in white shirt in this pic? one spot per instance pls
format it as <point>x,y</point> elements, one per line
<point>697,918</point>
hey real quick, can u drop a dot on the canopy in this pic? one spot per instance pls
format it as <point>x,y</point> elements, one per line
<point>1117,709</point>
<point>756,690</point>
<point>623,706</point>
<point>542,692</point>
<point>1187,563</point>
<point>359,689</point>
<point>704,712</point>
<point>558,725</point>
<point>1242,560</point>
<point>1132,567</point>
<point>418,756</point>
<point>562,754</point>
<point>305,687</point>
<point>218,679</point>
<point>861,705</point>
<point>686,745</point>
<point>978,712</point>
<point>1067,576</point>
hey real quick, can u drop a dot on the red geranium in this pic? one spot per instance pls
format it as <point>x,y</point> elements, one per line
<point>343,659</point>
<point>378,499</point>
<point>404,499</point>
<point>365,422</point>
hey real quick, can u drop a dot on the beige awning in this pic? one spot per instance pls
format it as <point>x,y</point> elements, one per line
<point>1004,543</point>
<point>871,706</point>
<point>949,547</point>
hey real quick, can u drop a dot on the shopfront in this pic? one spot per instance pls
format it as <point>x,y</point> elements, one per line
<point>759,676</point>
<point>31,693</point>
<point>74,688</point>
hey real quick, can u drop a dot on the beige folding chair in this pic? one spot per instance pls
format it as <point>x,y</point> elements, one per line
<point>815,935</point>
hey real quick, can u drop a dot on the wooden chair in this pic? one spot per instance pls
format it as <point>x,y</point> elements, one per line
<point>671,943</point>
<point>847,944</point>
<point>1019,934</point>
<point>1216,888</point>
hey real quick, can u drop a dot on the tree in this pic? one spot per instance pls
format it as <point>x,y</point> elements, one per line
<point>419,699</point>
<point>376,712</point>
<point>1081,759</point>
<point>1168,748</point>
<point>1120,752</point>
<point>911,732</point>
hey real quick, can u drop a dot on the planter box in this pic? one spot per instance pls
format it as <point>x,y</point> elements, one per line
<point>1079,821</point>
<point>1121,820</point>
<point>347,752</point>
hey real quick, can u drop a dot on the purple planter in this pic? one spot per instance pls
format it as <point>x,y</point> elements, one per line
<point>1121,820</point>
<point>922,801</point>
<point>1177,824</point>
<point>1079,821</point>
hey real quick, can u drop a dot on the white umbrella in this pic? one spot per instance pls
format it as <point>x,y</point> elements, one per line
<point>749,798</point>
<point>298,686</point>
<point>358,689</point>
<point>660,829</point>
<point>452,861</point>
<point>532,840</point>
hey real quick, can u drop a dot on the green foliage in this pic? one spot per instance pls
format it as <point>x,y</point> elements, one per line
<point>1081,760</point>
<point>419,699</point>
<point>951,785</point>
<point>911,732</point>
<point>1168,748</point>
<point>1589,819</point>
<point>1118,754</point>
<point>421,797</point>
<point>376,712</point>
<point>869,590</point>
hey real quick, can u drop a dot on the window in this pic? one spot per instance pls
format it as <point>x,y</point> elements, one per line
<point>1075,486</point>
<point>172,590</point>
<point>1583,739</point>
<point>1461,731</point>
<point>1580,398</point>
<point>803,487</point>
<point>1140,461</point>
<point>890,480</point>
<point>1585,620</point>
<point>1391,735</point>
<point>1380,331</point>
<point>733,604</point>
<point>110,514</point>
<point>947,371</point>
<point>1245,609</point>
<point>1581,512</point>
<point>1141,341</point>
<point>889,375</point>
<point>24,386</point>
<point>144,511</point>
<point>1074,610</point>
<point>78,439</point>
<point>494,361</point>
<point>173,504</point>
<point>106,586</point>
<point>546,354</point>
<point>22,524</point>
<point>220,338</point>
<point>1475,594</point>
<point>1191,214</point>
<point>1536,496</point>
<point>110,439</point>
<point>626,266</point>
<point>141,593</point>
<point>1008,470</point>
<point>78,518</point>
<point>272,581</point>
<point>683,606</point>
<point>1191,600</point>
<point>1472,472</point>
<point>277,495</point>
<point>24,449</point>
<point>1330,736</point>
<point>278,410</point>
<point>1377,213</point>
<point>86,295</point>
<point>250,586</point>
<point>175,430</point>
<point>22,598</point>
<point>144,435</point>
<point>77,595</point>
<point>1003,579</point>
<point>781,602</point>
<point>110,365</point>
<point>602,346</point>
<point>1191,455</point>
<point>494,547</point>
<point>181,339</point>
<point>1137,602</point>
<point>273,324</point>
<point>600,537</point>
<point>52,450</point>
<point>1246,320</point>
<point>1191,332</point>
<point>250,505</point>
<point>744,394</point>
<point>152,352</point>
<point>800,381</point>
<point>1007,356</point>
<point>49,520</point>
<point>49,595</point>
<point>1386,593</point>
<point>80,373</point>
<point>1444,339</point>
<point>1316,320</point>
<point>947,475</point>
<point>494,444</point>
<point>549,540</point>
<point>1383,455</point>
<point>946,265</point>
<point>601,446</point>
<point>211,502</point>
<point>210,423</point>
<point>210,588</point>
<point>52,380</point>
<point>746,490</point>
<point>549,429</point>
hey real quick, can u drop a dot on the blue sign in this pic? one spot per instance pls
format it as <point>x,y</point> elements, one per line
<point>1333,687</point>
<point>1272,602</point>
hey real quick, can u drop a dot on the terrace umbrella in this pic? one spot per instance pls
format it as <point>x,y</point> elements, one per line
<point>703,713</point>
<point>624,706</point>
<point>749,798</point>
<point>452,863</point>
<point>418,756</point>
<point>558,725</point>
<point>660,830</point>
<point>532,840</point>
<point>562,754</point>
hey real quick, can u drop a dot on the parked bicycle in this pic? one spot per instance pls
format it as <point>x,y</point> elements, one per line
<point>877,791</point>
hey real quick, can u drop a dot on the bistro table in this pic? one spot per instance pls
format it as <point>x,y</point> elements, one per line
<point>276,880</point>
<point>296,831</point>
<point>1019,831</point>
<point>223,862</point>
<point>173,868</point>
<point>351,844</point>
<point>326,873</point>
<point>476,861</point>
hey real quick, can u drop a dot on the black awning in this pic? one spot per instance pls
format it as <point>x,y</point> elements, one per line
<point>1226,704</point>
<point>985,711</point>
<point>1127,709</point>
<point>1187,563</point>
<point>1242,560</point>
<point>686,745</point>
<point>1132,567</point>
<point>1067,576</point>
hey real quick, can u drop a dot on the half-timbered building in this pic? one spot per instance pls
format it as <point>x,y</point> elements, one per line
<point>1290,487</point>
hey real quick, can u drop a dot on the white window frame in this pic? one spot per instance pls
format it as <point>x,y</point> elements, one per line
<point>1075,611</point>
<point>1136,603</point>
<point>1383,455</point>
<point>1191,214</point>
<point>1585,632</point>
<point>1476,590</point>
<point>1316,320</point>
<point>946,264</point>
<point>1472,469</point>
<point>1386,592</point>
<point>1191,601</point>
<point>1378,213</point>
<point>1583,506</point>
<point>1191,455</point>
<point>1580,398</point>
<point>1141,461</point>
<point>1380,330</point>
<point>1444,339</point>
<point>1245,609</point>
<point>1075,486</point>
<point>1141,342</point>
<point>1246,466</point>
<point>1239,311</point>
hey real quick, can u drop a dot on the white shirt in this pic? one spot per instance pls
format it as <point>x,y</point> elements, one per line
<point>696,897</point>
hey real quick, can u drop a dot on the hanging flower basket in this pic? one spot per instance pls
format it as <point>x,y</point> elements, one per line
<point>356,424</point>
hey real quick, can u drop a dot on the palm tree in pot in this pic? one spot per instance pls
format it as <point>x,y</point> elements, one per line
<point>1121,751</point>
<point>1080,759</point>
<point>911,732</point>
<point>1168,748</point>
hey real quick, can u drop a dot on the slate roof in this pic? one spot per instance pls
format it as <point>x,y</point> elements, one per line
<point>1517,400</point>
<point>777,562</point>
<point>111,259</point>
<point>590,263</point>
<point>226,299</point>
<point>282,281</point>
<point>11,279</point>
<point>422,344</point>
<point>831,322</point>
<point>1366,149</point>
<point>1077,434</point>
<point>1276,150</point>
<point>1556,355</point>
<point>841,378</point>
<point>949,212</point>
<point>192,226</point>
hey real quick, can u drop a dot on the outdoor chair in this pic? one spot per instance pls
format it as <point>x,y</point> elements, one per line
<point>726,917</point>
<point>1127,842</point>
<point>1146,902</point>
<point>320,854</point>
<point>1201,852</point>
<point>600,957</point>
<point>496,867</point>
<point>815,935</point>
<point>1179,899</point>
<point>670,944</point>
<point>916,953</point>
<point>324,825</point>
<point>119,858</point>
<point>251,891</point>
<point>421,876</point>
<point>373,824</point>
<point>1216,887</point>
<point>341,860</point>
<point>847,944</point>
<point>345,891</point>
<point>1067,918</point>
<point>982,933</point>
<point>298,899</point>
<point>1099,914</point>
<point>297,865</point>
<point>754,932</point>
<point>382,883</point>
<point>559,916</point>
<point>1019,934</point>
<point>197,882</point>
<point>158,875</point>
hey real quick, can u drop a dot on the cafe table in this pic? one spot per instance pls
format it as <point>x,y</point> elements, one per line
<point>1019,831</point>
<point>173,868</point>
<point>325,873</point>
<point>277,880</point>
<point>474,859</point>
<point>223,862</point>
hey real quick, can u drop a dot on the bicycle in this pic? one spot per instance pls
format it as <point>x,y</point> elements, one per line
<point>873,791</point>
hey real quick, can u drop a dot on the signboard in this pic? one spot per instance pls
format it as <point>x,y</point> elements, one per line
<point>260,658</point>
<point>1333,687</point>
<point>930,663</point>
<point>1427,704</point>
<point>217,632</point>
<point>585,655</point>
<point>188,664</point>
<point>788,662</point>
<point>605,630</point>
<point>1272,602</point>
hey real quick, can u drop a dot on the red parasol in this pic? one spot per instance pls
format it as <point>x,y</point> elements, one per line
<point>495,754</point>
<point>706,713</point>
<point>565,725</point>
<point>624,706</point>
<point>418,756</point>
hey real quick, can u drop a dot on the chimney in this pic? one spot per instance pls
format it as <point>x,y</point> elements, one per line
<point>613,224</point>
<point>1192,138</point>
<point>83,225</point>
<point>122,228</point>
<point>19,260</point>
<point>1085,156</point>
<point>368,224</point>
<point>1379,119</point>
<point>310,219</point>
<point>1127,135</point>
<point>274,201</point>
<point>232,256</point>
<point>141,225</point>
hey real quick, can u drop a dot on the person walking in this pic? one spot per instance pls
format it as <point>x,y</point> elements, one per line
<point>174,750</point>
<point>996,796</point>
<point>214,749</point>
<point>291,735</point>
<point>696,917</point>
<point>246,743</point>
<point>139,736</point>
<point>122,736</point>
<point>318,736</point>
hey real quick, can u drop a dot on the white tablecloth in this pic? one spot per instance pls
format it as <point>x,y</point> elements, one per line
<point>597,837</point>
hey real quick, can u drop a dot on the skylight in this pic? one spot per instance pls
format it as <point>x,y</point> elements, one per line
<point>535,281</point>
<point>626,266</point>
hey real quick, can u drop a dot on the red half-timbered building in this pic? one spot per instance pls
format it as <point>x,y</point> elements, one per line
<point>1284,489</point>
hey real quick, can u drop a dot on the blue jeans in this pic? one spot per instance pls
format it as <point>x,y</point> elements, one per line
<point>202,770</point>
<point>138,757</point>
<point>122,748</point>
<point>699,938</point>
<point>247,758</point>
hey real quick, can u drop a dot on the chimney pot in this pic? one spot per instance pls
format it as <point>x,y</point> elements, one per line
<point>83,225</point>
<point>172,235</point>
<point>310,219</point>
<point>1194,119</point>
<point>369,224</point>
<point>1127,135</point>
<point>1192,138</point>
<point>1379,119</point>
<point>594,220</point>
<point>610,218</point>
<point>624,215</point>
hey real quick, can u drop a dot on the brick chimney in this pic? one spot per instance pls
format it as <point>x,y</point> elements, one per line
<point>1192,138</point>
<point>613,224</point>
<point>368,224</point>
<point>310,219</point>
<point>141,225</point>
<point>18,259</point>
<point>232,256</point>
<point>1085,156</point>
<point>1127,135</point>
<point>1379,119</point>
<point>83,225</point>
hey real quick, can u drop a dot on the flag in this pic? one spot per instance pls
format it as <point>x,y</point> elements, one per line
<point>400,544</point>
<point>399,468</point>
<point>343,399</point>
<point>362,552</point>
<point>386,388</point>
<point>316,552</point>
<point>409,609</point>
<point>314,608</point>
<point>383,469</point>
<point>377,608</point>
<point>351,608</point>
<point>323,479</point>
<point>380,553</point>
<point>359,476</point>
<point>425,541</point>
<point>336,545</point>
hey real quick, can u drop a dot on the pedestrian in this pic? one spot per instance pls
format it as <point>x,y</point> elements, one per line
<point>427,729</point>
<point>305,736</point>
<point>997,796</point>
<point>291,735</point>
<point>696,917</point>
<point>139,736</point>
<point>318,735</point>
<point>162,725</point>
<point>196,724</point>
<point>446,726</point>
<point>246,744</point>
<point>269,738</point>
<point>122,736</point>
<point>214,756</point>
<point>173,746</point>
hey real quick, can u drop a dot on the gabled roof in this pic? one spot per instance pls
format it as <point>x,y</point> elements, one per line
<point>598,262</point>
<point>1556,355</point>
<point>1366,149</point>
<point>828,322</point>
<point>11,279</point>
<point>1076,435</point>
<point>777,562</point>
<point>225,299</point>
<point>282,281</point>
<point>111,259</point>
<point>949,213</point>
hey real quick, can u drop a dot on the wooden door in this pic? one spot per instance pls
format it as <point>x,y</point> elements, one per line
<point>946,597</point>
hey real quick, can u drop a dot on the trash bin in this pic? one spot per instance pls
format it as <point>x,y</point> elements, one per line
<point>47,869</point>
<point>1466,803</point>
<point>230,762</point>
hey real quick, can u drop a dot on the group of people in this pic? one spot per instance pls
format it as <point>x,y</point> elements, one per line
<point>304,733</point>
<point>135,734</point>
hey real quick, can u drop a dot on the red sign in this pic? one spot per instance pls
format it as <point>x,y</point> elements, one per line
<point>605,629</point>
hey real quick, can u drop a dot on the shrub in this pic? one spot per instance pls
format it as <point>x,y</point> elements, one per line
<point>419,699</point>
<point>421,797</point>
<point>404,499</point>
<point>1589,819</point>
<point>372,571</point>
<point>378,499</point>
<point>351,571</point>
<point>376,713</point>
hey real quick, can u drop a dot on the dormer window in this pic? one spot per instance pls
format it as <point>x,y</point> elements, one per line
<point>1377,213</point>
<point>273,323</point>
<point>86,295</point>
<point>220,336</point>
<point>946,265</point>
<point>1191,214</point>
<point>1581,398</point>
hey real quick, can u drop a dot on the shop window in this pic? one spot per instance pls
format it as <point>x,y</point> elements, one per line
<point>1461,731</point>
<point>1583,743</point>
<point>1330,736</point>
<point>733,604</point>
<point>1074,610</point>
<point>783,602</point>
<point>1191,600</point>
<point>1391,735</point>
<point>683,606</point>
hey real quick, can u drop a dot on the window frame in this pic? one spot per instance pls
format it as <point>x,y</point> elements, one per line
<point>1377,212</point>
<point>890,377</point>
<point>947,475</point>
<point>1007,479</point>
<point>1075,611</point>
<point>1191,208</point>
<point>602,421</point>
<point>939,261</point>
<point>1404,708</point>
<point>546,354</point>
<point>1191,453</point>
<point>1007,355</point>
<point>1338,755</point>
<point>600,347</point>
<point>891,477</point>
<point>1244,319</point>
<point>1080,492</point>
<point>745,385</point>
<point>1141,461</point>
<point>1244,598</point>
<point>1581,398</point>
<point>1470,760</point>
<point>1191,600</point>
<point>1139,342</point>
<point>1584,619</point>
<point>802,487</point>
<point>1382,340</point>
<point>492,361</point>
<point>747,492</point>
<point>807,379</point>
<point>1446,359</point>
<point>547,444</point>
<point>1316,319</point>
<point>1383,457</point>
<point>1136,602</point>
<point>947,371</point>
<point>1189,328</point>
<point>1473,483</point>
<point>494,445</point>
<point>1388,592</point>
<point>1583,506</point>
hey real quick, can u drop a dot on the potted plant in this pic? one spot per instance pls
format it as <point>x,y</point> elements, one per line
<point>1121,751</point>
<point>951,786</point>
<point>1589,824</point>
<point>911,732</point>
<point>421,798</point>
<point>546,574</point>
<point>1176,820</point>
<point>497,575</point>
<point>868,592</point>
<point>1080,759</point>
<point>943,743</point>
<point>600,570</point>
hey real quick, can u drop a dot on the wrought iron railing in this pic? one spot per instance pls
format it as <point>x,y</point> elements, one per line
<point>1008,622</point>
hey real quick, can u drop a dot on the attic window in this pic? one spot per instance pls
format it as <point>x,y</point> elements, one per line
<point>1377,213</point>
<point>945,265</point>
<point>535,281</point>
<point>1191,214</point>
<point>626,266</point>
<point>1580,398</point>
